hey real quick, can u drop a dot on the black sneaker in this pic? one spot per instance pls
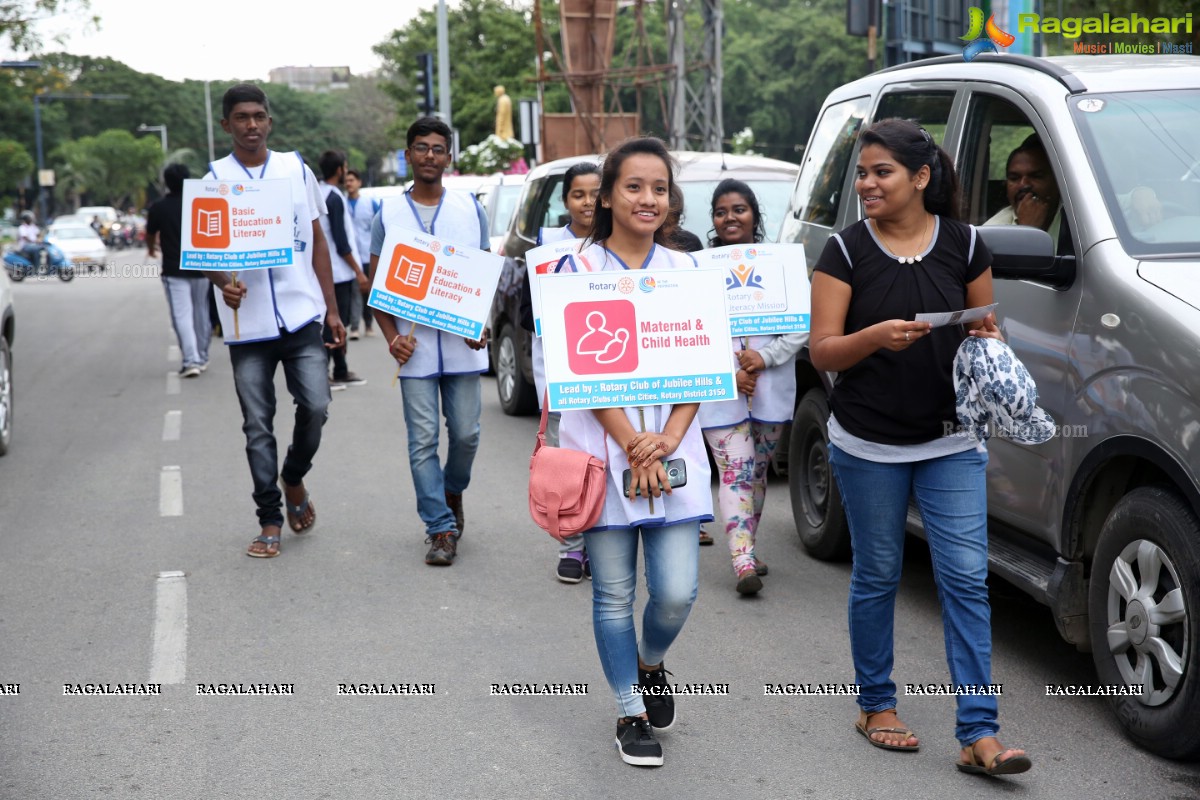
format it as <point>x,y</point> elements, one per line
<point>636,743</point>
<point>443,548</point>
<point>570,566</point>
<point>349,379</point>
<point>660,705</point>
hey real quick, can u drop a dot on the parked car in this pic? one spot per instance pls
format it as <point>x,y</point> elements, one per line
<point>80,244</point>
<point>540,205</point>
<point>498,194</point>
<point>8,324</point>
<point>1102,522</point>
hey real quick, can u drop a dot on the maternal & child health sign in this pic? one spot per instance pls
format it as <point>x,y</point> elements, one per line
<point>230,226</point>
<point>427,280</point>
<point>616,339</point>
<point>766,286</point>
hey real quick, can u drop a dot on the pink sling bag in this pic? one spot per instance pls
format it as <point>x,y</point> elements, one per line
<point>566,487</point>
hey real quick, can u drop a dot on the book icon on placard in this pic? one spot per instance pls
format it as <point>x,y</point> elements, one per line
<point>210,223</point>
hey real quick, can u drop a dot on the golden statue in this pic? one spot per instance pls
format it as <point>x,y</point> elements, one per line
<point>504,124</point>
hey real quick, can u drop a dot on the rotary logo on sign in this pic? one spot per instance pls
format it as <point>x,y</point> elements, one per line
<point>625,285</point>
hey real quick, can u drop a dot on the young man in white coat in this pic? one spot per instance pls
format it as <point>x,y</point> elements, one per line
<point>433,362</point>
<point>280,312</point>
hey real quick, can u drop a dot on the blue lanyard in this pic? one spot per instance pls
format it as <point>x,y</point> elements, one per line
<point>417,215</point>
<point>261,172</point>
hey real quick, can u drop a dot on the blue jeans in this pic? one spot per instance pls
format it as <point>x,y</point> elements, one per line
<point>303,357</point>
<point>951,493</point>
<point>672,569</point>
<point>461,402</point>
<point>188,302</point>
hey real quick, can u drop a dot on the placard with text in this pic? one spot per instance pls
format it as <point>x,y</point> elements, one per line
<point>232,226</point>
<point>766,286</point>
<point>634,338</point>
<point>541,261</point>
<point>432,282</point>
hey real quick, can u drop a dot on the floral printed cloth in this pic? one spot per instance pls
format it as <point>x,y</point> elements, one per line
<point>995,395</point>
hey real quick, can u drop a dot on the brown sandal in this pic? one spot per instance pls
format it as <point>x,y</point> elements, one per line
<point>861,727</point>
<point>1012,765</point>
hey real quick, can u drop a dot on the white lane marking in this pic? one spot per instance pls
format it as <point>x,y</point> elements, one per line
<point>172,424</point>
<point>168,656</point>
<point>173,353</point>
<point>170,492</point>
<point>172,383</point>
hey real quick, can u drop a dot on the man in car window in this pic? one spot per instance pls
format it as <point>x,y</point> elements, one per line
<point>1033,197</point>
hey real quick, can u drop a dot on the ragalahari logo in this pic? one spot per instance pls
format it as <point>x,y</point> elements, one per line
<point>409,272</point>
<point>210,223</point>
<point>983,38</point>
<point>601,337</point>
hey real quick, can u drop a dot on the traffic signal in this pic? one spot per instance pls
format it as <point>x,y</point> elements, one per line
<point>424,84</point>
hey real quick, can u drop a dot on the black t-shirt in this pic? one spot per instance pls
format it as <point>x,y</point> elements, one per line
<point>902,397</point>
<point>165,219</point>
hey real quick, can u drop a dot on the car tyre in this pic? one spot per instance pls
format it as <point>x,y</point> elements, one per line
<point>1144,615</point>
<point>816,501</point>
<point>518,397</point>
<point>6,396</point>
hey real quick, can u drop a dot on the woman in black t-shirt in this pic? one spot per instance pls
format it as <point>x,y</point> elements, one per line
<point>892,430</point>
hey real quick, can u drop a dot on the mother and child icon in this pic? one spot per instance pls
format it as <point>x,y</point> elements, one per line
<point>603,345</point>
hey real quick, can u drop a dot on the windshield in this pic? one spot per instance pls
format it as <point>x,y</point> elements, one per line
<point>772,197</point>
<point>503,206</point>
<point>74,233</point>
<point>1146,153</point>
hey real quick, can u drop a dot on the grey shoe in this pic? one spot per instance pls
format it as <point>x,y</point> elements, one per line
<point>443,547</point>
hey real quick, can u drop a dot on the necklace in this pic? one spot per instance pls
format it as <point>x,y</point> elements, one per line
<point>905,259</point>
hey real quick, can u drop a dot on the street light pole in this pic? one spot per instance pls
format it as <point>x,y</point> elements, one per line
<point>37,124</point>
<point>162,129</point>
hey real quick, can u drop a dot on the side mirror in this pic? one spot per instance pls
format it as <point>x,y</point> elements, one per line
<point>1021,252</point>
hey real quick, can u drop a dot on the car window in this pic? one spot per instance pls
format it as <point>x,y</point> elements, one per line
<point>503,203</point>
<point>1144,149</point>
<point>995,133</point>
<point>528,226</point>
<point>818,194</point>
<point>929,109</point>
<point>556,214</point>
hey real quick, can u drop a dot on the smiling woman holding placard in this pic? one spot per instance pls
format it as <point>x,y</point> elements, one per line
<point>742,433</point>
<point>636,193</point>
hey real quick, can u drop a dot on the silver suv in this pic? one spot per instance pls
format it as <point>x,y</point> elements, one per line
<point>1101,523</point>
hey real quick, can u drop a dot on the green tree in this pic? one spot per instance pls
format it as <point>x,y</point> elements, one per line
<point>18,18</point>
<point>491,43</point>
<point>114,166</point>
<point>15,164</point>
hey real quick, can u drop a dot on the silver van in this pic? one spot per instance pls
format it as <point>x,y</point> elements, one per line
<point>1102,522</point>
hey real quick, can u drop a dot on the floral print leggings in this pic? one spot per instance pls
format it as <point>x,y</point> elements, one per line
<point>742,454</point>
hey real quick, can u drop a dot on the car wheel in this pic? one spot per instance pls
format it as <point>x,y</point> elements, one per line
<point>1144,614</point>
<point>816,501</point>
<point>6,396</point>
<point>517,396</point>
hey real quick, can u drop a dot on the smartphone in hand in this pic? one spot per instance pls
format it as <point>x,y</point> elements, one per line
<point>676,476</point>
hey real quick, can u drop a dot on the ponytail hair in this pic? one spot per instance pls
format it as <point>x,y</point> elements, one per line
<point>914,148</point>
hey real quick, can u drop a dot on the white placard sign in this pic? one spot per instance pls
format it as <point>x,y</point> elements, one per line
<point>939,319</point>
<point>432,282</point>
<point>632,338</point>
<point>541,261</point>
<point>231,226</point>
<point>766,285</point>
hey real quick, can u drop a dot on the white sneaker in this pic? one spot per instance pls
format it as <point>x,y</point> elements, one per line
<point>354,334</point>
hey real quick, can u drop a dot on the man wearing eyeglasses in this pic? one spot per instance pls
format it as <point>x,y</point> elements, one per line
<point>434,362</point>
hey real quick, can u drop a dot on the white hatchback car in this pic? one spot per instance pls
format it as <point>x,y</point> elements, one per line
<point>82,246</point>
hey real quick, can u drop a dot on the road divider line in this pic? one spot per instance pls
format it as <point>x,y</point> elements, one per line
<point>170,492</point>
<point>172,425</point>
<point>172,383</point>
<point>168,656</point>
